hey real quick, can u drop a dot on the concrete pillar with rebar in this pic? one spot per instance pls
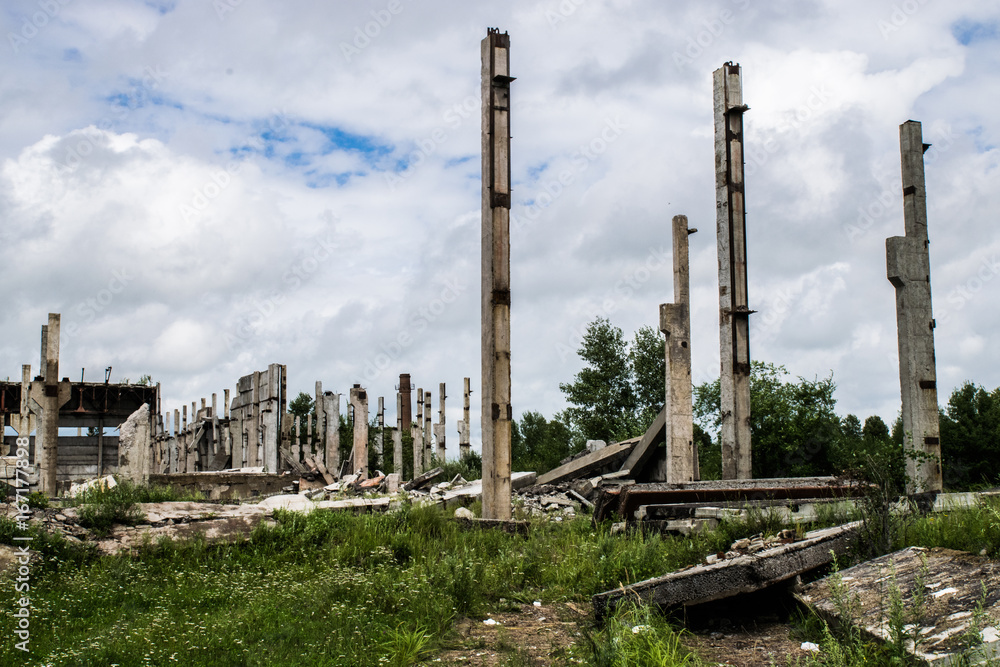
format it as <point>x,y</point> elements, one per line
<point>439,434</point>
<point>675,323</point>
<point>50,410</point>
<point>734,310</point>
<point>909,271</point>
<point>497,413</point>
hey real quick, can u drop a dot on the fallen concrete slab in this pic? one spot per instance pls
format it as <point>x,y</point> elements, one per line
<point>230,529</point>
<point>623,501</point>
<point>422,480</point>
<point>588,463</point>
<point>940,590</point>
<point>742,574</point>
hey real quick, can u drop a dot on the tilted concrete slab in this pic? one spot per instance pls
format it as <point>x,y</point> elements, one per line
<point>951,583</point>
<point>726,578</point>
<point>584,465</point>
<point>654,436</point>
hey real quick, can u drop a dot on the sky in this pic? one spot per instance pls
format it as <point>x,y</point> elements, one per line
<point>204,187</point>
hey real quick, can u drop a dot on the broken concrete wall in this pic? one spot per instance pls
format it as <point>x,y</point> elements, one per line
<point>135,452</point>
<point>224,485</point>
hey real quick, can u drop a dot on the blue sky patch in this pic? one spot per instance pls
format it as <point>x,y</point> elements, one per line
<point>967,31</point>
<point>162,6</point>
<point>73,55</point>
<point>339,139</point>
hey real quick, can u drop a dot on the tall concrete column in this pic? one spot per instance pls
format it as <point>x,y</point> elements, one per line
<point>428,438</point>
<point>297,444</point>
<point>380,436</point>
<point>418,434</point>
<point>675,323</point>
<point>406,411</point>
<point>439,434</point>
<point>734,310</point>
<point>359,401</point>
<point>318,407</point>
<point>176,453</point>
<point>331,444</point>
<point>253,446</point>
<point>497,413</point>
<point>909,270</point>
<point>397,437</point>
<point>50,411</point>
<point>464,448</point>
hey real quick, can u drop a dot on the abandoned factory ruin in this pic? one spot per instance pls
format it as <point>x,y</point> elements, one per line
<point>243,443</point>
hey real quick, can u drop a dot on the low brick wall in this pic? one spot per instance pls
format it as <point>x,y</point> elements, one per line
<point>225,485</point>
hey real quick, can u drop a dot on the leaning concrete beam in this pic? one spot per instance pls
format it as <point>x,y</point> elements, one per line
<point>655,434</point>
<point>588,463</point>
<point>422,480</point>
<point>743,574</point>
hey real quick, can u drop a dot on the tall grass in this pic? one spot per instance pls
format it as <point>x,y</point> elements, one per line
<point>340,589</point>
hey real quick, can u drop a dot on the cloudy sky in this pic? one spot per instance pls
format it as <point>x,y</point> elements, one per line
<point>203,187</point>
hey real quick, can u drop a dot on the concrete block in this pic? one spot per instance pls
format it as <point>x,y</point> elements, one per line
<point>951,584</point>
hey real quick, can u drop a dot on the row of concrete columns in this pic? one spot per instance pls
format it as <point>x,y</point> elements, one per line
<point>908,269</point>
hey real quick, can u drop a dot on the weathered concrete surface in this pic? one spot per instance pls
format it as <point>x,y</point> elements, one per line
<point>734,309</point>
<point>422,480</point>
<point>473,490</point>
<point>951,585</point>
<point>588,463</point>
<point>225,485</point>
<point>497,413</point>
<point>228,529</point>
<point>743,574</point>
<point>134,447</point>
<point>623,501</point>
<point>675,323</point>
<point>643,452</point>
<point>359,401</point>
<point>908,269</point>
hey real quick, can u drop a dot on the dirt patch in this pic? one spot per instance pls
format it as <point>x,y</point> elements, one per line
<point>530,635</point>
<point>755,646</point>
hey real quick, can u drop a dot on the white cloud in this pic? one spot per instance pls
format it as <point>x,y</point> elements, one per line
<point>304,255</point>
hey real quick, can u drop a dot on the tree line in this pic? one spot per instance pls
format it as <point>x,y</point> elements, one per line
<point>796,430</point>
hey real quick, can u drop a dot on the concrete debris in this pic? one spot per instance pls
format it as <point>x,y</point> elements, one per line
<point>107,482</point>
<point>951,601</point>
<point>422,480</point>
<point>464,513</point>
<point>609,457</point>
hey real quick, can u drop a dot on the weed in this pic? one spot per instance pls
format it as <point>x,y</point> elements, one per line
<point>407,646</point>
<point>638,636</point>
<point>102,507</point>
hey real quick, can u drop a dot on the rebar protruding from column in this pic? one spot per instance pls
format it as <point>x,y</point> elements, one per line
<point>909,270</point>
<point>734,309</point>
<point>497,413</point>
<point>675,323</point>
